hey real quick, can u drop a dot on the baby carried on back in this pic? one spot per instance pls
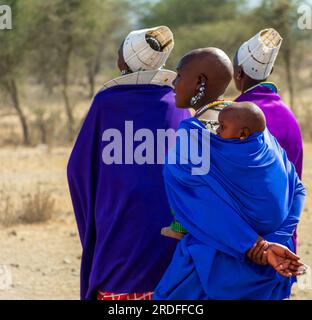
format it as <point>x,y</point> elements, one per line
<point>251,190</point>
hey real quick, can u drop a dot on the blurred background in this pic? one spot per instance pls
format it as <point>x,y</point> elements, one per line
<point>56,57</point>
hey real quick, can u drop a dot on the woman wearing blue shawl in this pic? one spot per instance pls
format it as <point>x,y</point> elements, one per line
<point>248,191</point>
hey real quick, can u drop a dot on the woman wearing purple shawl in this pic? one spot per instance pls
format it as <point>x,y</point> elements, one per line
<point>121,205</point>
<point>253,63</point>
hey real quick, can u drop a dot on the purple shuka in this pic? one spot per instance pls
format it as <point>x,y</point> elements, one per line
<point>281,122</point>
<point>121,208</point>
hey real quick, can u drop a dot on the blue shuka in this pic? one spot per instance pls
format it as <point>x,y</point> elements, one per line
<point>121,208</point>
<point>251,189</point>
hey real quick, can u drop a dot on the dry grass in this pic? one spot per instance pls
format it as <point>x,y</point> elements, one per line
<point>38,207</point>
<point>43,257</point>
<point>7,212</point>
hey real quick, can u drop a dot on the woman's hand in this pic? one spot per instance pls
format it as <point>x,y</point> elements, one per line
<point>285,262</point>
<point>258,252</point>
<point>278,256</point>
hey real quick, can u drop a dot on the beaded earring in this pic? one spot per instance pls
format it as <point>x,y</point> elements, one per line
<point>199,95</point>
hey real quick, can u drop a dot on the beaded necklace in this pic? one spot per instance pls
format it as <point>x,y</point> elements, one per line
<point>212,106</point>
<point>267,84</point>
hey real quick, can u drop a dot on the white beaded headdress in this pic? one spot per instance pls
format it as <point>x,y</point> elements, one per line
<point>139,55</point>
<point>258,54</point>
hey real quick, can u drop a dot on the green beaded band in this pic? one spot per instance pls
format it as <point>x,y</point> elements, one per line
<point>177,227</point>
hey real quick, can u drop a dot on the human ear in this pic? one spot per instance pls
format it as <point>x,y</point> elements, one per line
<point>244,133</point>
<point>240,73</point>
<point>202,80</point>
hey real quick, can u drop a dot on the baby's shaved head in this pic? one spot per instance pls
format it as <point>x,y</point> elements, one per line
<point>247,115</point>
<point>241,119</point>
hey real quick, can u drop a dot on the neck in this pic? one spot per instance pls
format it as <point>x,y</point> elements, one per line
<point>206,101</point>
<point>249,83</point>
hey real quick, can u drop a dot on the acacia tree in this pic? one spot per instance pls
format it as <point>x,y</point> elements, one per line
<point>56,23</point>
<point>176,13</point>
<point>226,24</point>
<point>72,33</point>
<point>197,23</point>
<point>103,26</point>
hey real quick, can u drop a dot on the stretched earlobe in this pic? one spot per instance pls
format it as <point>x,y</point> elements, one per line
<point>201,92</point>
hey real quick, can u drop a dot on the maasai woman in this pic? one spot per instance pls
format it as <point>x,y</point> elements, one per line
<point>253,63</point>
<point>121,207</point>
<point>250,193</point>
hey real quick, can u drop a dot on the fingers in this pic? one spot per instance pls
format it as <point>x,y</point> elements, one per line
<point>258,251</point>
<point>293,268</point>
<point>298,273</point>
<point>261,257</point>
<point>283,270</point>
<point>290,255</point>
<point>283,251</point>
<point>287,269</point>
<point>264,258</point>
<point>302,270</point>
<point>297,263</point>
<point>286,274</point>
<point>250,251</point>
<point>296,266</point>
<point>291,273</point>
<point>285,262</point>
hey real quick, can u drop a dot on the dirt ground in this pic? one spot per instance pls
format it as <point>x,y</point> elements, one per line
<point>44,258</point>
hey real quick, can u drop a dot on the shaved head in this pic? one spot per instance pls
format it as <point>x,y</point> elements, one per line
<point>212,62</point>
<point>241,120</point>
<point>211,66</point>
<point>247,114</point>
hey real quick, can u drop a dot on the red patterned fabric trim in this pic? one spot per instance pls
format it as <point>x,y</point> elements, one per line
<point>124,296</point>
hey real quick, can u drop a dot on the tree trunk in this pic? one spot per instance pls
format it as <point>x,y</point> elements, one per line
<point>93,65</point>
<point>288,66</point>
<point>13,91</point>
<point>65,72</point>
<point>43,132</point>
<point>68,111</point>
<point>91,79</point>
